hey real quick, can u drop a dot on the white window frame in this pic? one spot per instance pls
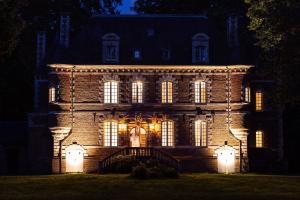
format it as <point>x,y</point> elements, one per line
<point>111,92</point>
<point>247,94</point>
<point>167,133</point>
<point>200,90</point>
<point>200,133</point>
<point>137,92</point>
<point>110,133</point>
<point>167,92</point>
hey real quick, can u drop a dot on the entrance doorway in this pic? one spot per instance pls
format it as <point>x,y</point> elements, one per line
<point>74,158</point>
<point>226,159</point>
<point>138,137</point>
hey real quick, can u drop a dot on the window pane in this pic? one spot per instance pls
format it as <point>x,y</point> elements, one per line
<point>259,101</point>
<point>107,137</point>
<point>170,92</point>
<point>107,92</point>
<point>167,133</point>
<point>247,94</point>
<point>114,133</point>
<point>197,92</point>
<point>164,92</point>
<point>137,92</point>
<point>203,134</point>
<point>114,92</point>
<point>203,92</point>
<point>259,139</point>
<point>197,132</point>
<point>52,93</point>
<point>111,92</point>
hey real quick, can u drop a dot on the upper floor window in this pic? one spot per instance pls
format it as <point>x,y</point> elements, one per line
<point>200,92</point>
<point>166,92</point>
<point>110,49</point>
<point>137,92</point>
<point>52,94</point>
<point>247,94</point>
<point>166,54</point>
<point>110,133</point>
<point>200,133</point>
<point>259,139</point>
<point>111,92</point>
<point>200,48</point>
<point>258,101</point>
<point>167,133</point>
<point>137,54</point>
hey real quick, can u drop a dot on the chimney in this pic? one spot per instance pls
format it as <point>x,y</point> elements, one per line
<point>40,49</point>
<point>64,34</point>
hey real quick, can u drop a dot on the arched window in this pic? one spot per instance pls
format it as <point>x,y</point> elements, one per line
<point>110,48</point>
<point>167,133</point>
<point>111,92</point>
<point>111,133</point>
<point>200,92</point>
<point>200,49</point>
<point>200,133</point>
<point>167,92</point>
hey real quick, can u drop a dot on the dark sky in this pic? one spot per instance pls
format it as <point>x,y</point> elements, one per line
<point>125,8</point>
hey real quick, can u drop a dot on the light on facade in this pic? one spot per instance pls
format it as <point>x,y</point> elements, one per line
<point>122,127</point>
<point>226,159</point>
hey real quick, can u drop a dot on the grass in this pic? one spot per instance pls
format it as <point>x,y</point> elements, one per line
<point>115,187</point>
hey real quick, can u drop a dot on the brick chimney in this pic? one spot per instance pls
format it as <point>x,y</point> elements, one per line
<point>64,31</point>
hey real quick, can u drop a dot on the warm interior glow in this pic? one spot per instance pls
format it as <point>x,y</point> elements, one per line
<point>111,92</point>
<point>111,133</point>
<point>167,133</point>
<point>247,94</point>
<point>200,133</point>
<point>200,92</point>
<point>258,101</point>
<point>259,139</point>
<point>167,92</point>
<point>122,127</point>
<point>52,97</point>
<point>137,92</point>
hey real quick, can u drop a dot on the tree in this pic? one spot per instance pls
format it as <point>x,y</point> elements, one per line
<point>11,25</point>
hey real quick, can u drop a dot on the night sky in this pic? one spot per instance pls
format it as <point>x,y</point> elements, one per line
<point>125,8</point>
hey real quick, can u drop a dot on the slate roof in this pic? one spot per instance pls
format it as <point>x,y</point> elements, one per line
<point>169,31</point>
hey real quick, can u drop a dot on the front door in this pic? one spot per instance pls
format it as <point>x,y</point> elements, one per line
<point>138,137</point>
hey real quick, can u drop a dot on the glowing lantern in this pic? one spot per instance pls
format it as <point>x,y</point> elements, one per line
<point>154,126</point>
<point>226,159</point>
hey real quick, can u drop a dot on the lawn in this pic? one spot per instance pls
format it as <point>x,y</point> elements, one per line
<point>115,187</point>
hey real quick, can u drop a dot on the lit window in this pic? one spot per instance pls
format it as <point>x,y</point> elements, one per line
<point>247,94</point>
<point>167,133</point>
<point>137,54</point>
<point>200,92</point>
<point>167,92</point>
<point>137,92</point>
<point>111,133</point>
<point>52,94</point>
<point>258,101</point>
<point>259,139</point>
<point>200,45</point>
<point>200,133</point>
<point>111,92</point>
<point>110,48</point>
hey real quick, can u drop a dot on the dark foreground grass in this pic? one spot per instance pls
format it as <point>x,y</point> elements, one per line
<point>121,187</point>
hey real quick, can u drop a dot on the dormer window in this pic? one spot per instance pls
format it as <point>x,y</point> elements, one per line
<point>166,54</point>
<point>137,54</point>
<point>110,48</point>
<point>200,49</point>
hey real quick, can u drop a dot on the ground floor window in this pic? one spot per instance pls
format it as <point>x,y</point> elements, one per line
<point>200,133</point>
<point>167,133</point>
<point>111,133</point>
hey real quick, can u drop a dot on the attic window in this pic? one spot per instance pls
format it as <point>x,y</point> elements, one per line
<point>200,49</point>
<point>137,54</point>
<point>110,48</point>
<point>166,54</point>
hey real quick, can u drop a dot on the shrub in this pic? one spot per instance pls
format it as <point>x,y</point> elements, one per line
<point>155,172</point>
<point>140,172</point>
<point>169,172</point>
<point>123,164</point>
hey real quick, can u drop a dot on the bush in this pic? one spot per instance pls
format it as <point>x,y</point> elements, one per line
<point>140,172</point>
<point>153,169</point>
<point>123,164</point>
